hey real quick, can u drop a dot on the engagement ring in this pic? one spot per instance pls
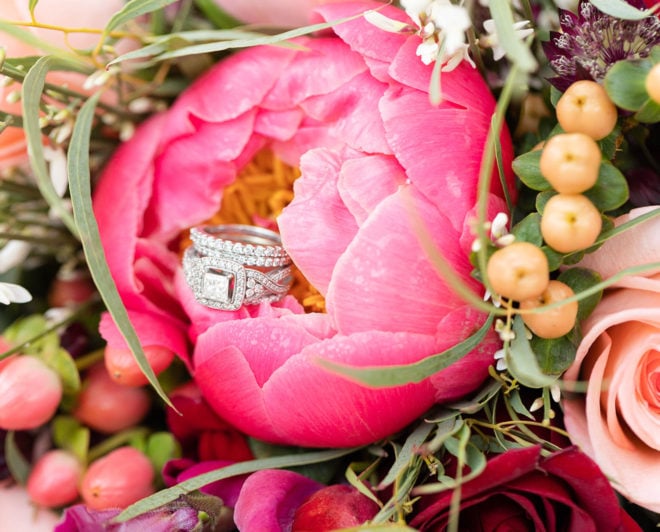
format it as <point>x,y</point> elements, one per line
<point>228,266</point>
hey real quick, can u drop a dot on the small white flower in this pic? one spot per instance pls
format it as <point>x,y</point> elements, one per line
<point>13,253</point>
<point>58,172</point>
<point>428,51</point>
<point>501,361</point>
<point>537,404</point>
<point>13,293</point>
<point>492,40</point>
<point>498,225</point>
<point>384,23</point>
<point>555,392</point>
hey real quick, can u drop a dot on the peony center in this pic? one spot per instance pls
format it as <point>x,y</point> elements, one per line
<point>257,196</point>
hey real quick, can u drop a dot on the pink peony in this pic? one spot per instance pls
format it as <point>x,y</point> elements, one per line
<point>65,13</point>
<point>353,111</point>
<point>282,13</point>
<point>617,421</point>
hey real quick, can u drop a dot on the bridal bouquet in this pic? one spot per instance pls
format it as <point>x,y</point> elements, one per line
<point>315,265</point>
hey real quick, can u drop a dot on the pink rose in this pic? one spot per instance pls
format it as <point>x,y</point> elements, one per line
<point>617,420</point>
<point>65,13</point>
<point>282,13</point>
<point>353,112</point>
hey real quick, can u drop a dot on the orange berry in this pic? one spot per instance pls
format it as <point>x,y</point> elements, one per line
<point>570,162</point>
<point>123,368</point>
<point>518,271</point>
<point>570,222</point>
<point>586,108</point>
<point>652,83</point>
<point>557,321</point>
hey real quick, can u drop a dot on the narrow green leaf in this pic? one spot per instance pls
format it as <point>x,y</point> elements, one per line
<point>134,9</point>
<point>81,198</point>
<point>521,360</point>
<point>33,86</point>
<point>18,466</point>
<point>358,484</point>
<point>215,15</point>
<point>621,9</point>
<point>32,5</point>
<point>407,453</point>
<point>513,47</point>
<point>171,494</point>
<point>399,375</point>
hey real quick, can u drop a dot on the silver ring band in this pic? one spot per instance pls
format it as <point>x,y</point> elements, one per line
<point>232,265</point>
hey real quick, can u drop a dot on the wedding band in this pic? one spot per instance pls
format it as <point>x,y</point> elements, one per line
<point>228,266</point>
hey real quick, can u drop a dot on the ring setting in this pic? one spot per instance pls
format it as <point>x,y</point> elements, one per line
<point>229,266</point>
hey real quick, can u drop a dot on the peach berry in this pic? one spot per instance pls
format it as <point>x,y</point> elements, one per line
<point>120,478</point>
<point>518,271</point>
<point>586,108</point>
<point>570,162</point>
<point>109,407</point>
<point>652,83</point>
<point>123,368</point>
<point>570,222</point>
<point>30,393</point>
<point>54,479</point>
<point>554,322</point>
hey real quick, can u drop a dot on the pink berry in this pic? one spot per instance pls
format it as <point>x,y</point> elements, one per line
<point>123,368</point>
<point>30,393</point>
<point>54,479</point>
<point>120,478</point>
<point>109,407</point>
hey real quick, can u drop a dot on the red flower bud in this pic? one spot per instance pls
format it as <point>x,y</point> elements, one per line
<point>30,393</point>
<point>123,368</point>
<point>118,479</point>
<point>332,508</point>
<point>107,406</point>
<point>54,479</point>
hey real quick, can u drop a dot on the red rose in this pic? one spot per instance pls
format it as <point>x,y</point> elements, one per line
<point>521,490</point>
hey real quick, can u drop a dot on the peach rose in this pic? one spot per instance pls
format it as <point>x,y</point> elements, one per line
<point>617,420</point>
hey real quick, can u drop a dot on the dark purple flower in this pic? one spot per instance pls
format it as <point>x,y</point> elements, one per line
<point>590,42</point>
<point>644,184</point>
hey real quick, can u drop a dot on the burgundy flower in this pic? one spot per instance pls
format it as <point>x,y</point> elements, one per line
<point>521,490</point>
<point>202,434</point>
<point>590,42</point>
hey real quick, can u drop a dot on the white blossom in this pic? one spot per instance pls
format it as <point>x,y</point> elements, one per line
<point>492,40</point>
<point>13,253</point>
<point>13,293</point>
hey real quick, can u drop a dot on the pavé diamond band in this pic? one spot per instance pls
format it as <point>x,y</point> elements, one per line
<point>232,265</point>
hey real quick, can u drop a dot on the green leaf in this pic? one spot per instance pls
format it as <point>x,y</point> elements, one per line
<point>521,361</point>
<point>516,51</point>
<point>162,447</point>
<point>70,434</point>
<point>625,84</point>
<point>621,9</point>
<point>400,375</point>
<point>555,355</point>
<point>33,86</point>
<point>526,167</point>
<point>32,5</point>
<point>25,329</point>
<point>215,15</point>
<point>18,466</point>
<point>242,468</point>
<point>517,404</point>
<point>62,363</point>
<point>611,189</point>
<point>543,198</point>
<point>529,229</point>
<point>81,199</point>
<point>134,9</point>
<point>580,279</point>
<point>408,452</point>
<point>649,113</point>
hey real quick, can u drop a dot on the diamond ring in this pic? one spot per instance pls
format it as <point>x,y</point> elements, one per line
<point>228,266</point>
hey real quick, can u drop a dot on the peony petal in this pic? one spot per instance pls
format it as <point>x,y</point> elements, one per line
<point>317,217</point>
<point>270,498</point>
<point>386,270</point>
<point>366,181</point>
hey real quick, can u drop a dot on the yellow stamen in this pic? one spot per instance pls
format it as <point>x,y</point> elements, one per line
<point>257,196</point>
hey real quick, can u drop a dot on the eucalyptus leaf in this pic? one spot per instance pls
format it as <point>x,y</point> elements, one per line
<point>621,9</point>
<point>526,167</point>
<point>168,495</point>
<point>399,375</point>
<point>81,198</point>
<point>611,188</point>
<point>517,404</point>
<point>32,5</point>
<point>521,360</point>
<point>625,84</point>
<point>215,15</point>
<point>133,9</point>
<point>407,453</point>
<point>18,466</point>
<point>32,89</point>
